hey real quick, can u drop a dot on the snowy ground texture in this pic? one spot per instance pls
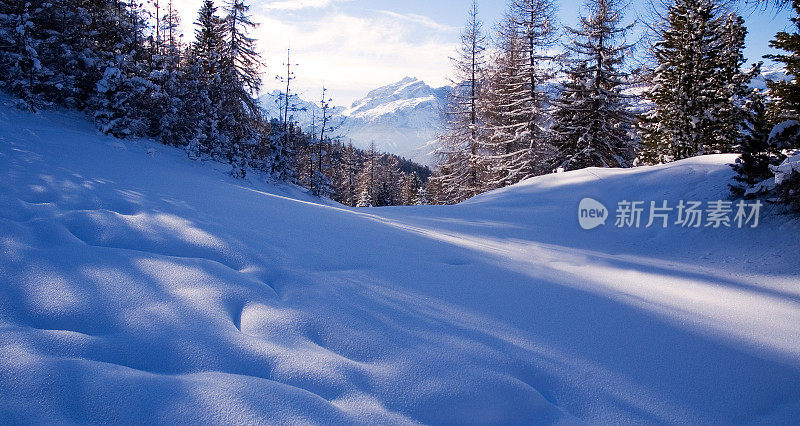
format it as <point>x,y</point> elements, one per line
<point>137,287</point>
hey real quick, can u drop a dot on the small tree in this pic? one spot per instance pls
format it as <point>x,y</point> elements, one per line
<point>758,154</point>
<point>368,180</point>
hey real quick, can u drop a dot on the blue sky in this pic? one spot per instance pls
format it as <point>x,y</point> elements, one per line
<point>353,46</point>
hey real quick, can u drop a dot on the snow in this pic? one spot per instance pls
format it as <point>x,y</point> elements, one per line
<point>772,72</point>
<point>403,118</point>
<point>139,287</point>
<point>780,136</point>
<point>786,169</point>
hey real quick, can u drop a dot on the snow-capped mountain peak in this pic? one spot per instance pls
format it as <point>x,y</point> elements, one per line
<point>402,118</point>
<point>408,92</point>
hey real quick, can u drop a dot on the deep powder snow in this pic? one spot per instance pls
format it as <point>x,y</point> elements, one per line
<point>137,286</point>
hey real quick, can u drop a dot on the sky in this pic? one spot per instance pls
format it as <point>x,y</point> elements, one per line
<point>354,46</point>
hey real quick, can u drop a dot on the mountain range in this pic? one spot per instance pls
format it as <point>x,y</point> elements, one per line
<point>403,118</point>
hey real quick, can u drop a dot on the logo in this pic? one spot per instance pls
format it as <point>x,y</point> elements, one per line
<point>591,214</point>
<point>718,214</point>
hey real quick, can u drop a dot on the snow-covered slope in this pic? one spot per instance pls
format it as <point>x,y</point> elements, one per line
<point>139,287</point>
<point>403,118</point>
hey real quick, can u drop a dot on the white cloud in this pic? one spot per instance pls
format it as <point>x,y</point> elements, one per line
<point>351,50</point>
<point>355,54</point>
<point>300,4</point>
<point>417,19</point>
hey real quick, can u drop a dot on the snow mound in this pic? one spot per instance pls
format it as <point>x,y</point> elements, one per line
<point>140,287</point>
<point>786,169</point>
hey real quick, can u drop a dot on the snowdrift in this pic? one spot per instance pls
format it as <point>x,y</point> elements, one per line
<point>137,287</point>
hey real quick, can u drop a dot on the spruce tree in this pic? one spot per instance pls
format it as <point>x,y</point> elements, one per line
<point>593,122</point>
<point>698,84</point>
<point>203,98</point>
<point>786,93</point>
<point>758,154</point>
<point>24,74</point>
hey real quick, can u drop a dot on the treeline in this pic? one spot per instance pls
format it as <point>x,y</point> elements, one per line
<point>518,110</point>
<point>126,65</point>
<point>356,177</point>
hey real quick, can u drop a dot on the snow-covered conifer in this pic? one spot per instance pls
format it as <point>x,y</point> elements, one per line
<point>592,120</point>
<point>23,74</point>
<point>758,153</point>
<point>698,86</point>
<point>462,139</point>
<point>786,93</point>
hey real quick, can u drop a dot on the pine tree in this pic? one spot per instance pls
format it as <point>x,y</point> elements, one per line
<point>536,24</point>
<point>433,190</point>
<point>240,78</point>
<point>421,197</point>
<point>593,123</point>
<point>698,85</point>
<point>367,180</point>
<point>168,77</point>
<point>172,91</point>
<point>365,197</point>
<point>121,101</point>
<point>240,52</point>
<point>735,92</point>
<point>786,94</point>
<point>388,177</point>
<point>758,154</point>
<point>786,108</point>
<point>346,176</point>
<point>24,74</point>
<point>516,99</point>
<point>509,114</point>
<point>282,143</point>
<point>121,97</point>
<point>409,184</point>
<point>203,79</point>
<point>461,142</point>
<point>321,180</point>
<point>77,31</point>
<point>170,28</point>
<point>454,171</point>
